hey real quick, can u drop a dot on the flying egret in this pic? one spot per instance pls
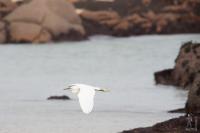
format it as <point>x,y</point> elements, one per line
<point>85,95</point>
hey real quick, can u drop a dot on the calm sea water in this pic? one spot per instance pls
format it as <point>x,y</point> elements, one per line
<point>31,73</point>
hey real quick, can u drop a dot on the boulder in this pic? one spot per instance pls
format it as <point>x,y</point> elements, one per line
<point>146,2</point>
<point>6,6</point>
<point>164,77</point>
<point>150,15</point>
<point>140,17</point>
<point>160,25</point>
<point>175,125</point>
<point>193,102</point>
<point>187,65</point>
<point>136,19</point>
<point>123,25</point>
<point>185,74</point>
<point>109,18</point>
<point>159,20</point>
<point>171,17</point>
<point>99,22</point>
<point>48,21</point>
<point>164,19</point>
<point>35,33</point>
<point>177,9</point>
<point>2,32</point>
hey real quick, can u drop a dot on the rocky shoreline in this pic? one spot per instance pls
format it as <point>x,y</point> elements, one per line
<point>186,69</point>
<point>59,20</point>
<point>133,17</point>
<point>51,21</point>
<point>186,75</point>
<point>175,125</point>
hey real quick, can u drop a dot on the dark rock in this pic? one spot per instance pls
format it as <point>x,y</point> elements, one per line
<point>185,70</point>
<point>194,96</point>
<point>164,77</point>
<point>180,110</point>
<point>99,22</point>
<point>175,125</point>
<point>72,35</point>
<point>185,74</point>
<point>156,17</point>
<point>187,65</point>
<point>123,7</point>
<point>94,28</point>
<point>64,97</point>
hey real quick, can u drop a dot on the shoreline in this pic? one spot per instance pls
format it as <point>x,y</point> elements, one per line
<point>175,125</point>
<point>117,18</point>
<point>185,75</point>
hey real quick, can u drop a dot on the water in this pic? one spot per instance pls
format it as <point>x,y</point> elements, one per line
<point>31,73</point>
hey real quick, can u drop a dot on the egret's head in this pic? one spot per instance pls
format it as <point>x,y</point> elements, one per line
<point>73,89</point>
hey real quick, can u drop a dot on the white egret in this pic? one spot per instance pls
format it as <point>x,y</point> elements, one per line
<point>85,95</point>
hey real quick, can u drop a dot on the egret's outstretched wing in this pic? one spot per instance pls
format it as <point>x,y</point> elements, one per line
<point>86,99</point>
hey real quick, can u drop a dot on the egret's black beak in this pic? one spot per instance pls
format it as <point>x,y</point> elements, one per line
<point>104,90</point>
<point>67,88</point>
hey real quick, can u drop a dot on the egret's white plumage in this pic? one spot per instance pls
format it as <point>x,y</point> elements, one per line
<point>85,95</point>
<point>86,99</point>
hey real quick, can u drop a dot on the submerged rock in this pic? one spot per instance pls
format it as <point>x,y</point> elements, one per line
<point>64,97</point>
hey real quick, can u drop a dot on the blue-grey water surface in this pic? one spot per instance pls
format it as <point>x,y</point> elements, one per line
<point>31,73</point>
